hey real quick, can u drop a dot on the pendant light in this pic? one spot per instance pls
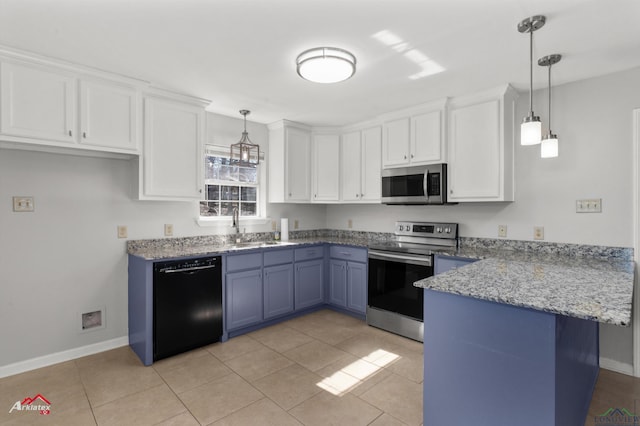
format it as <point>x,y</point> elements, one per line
<point>326,65</point>
<point>531,127</point>
<point>245,152</point>
<point>549,147</point>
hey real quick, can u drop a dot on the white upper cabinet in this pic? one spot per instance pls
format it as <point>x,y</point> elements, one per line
<point>108,115</point>
<point>361,153</point>
<point>38,102</point>
<point>326,167</point>
<point>415,136</point>
<point>481,146</point>
<point>289,163</point>
<point>171,168</point>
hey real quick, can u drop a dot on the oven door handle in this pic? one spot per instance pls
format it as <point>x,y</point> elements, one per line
<point>401,258</point>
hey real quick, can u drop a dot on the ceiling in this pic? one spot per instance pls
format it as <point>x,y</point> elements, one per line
<point>241,53</point>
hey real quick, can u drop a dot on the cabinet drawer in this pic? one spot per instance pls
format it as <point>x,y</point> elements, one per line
<point>308,253</point>
<point>348,253</point>
<point>244,261</point>
<point>277,257</point>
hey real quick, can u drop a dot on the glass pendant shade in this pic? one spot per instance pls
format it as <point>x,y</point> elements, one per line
<point>531,130</point>
<point>245,152</point>
<point>326,65</point>
<point>549,146</point>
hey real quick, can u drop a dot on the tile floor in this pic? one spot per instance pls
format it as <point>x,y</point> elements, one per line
<point>324,368</point>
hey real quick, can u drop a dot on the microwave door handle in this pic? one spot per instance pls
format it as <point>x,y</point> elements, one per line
<point>425,184</point>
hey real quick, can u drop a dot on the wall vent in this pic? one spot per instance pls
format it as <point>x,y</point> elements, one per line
<point>94,319</point>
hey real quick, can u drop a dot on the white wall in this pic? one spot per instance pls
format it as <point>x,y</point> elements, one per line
<point>65,258</point>
<point>593,121</point>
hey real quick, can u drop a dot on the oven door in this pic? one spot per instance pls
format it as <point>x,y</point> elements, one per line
<point>391,278</point>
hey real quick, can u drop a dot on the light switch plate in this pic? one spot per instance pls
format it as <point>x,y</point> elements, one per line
<point>591,205</point>
<point>23,204</point>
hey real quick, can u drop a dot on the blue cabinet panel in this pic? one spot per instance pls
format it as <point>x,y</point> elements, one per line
<point>277,257</point>
<point>308,253</point>
<point>443,264</point>
<point>352,254</point>
<point>338,283</point>
<point>357,287</point>
<point>239,262</point>
<point>278,290</point>
<point>309,280</point>
<point>244,299</point>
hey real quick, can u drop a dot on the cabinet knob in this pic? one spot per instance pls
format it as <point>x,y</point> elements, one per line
<point>361,195</point>
<point>84,135</point>
<point>411,155</point>
<point>70,134</point>
<point>357,195</point>
<point>289,194</point>
<point>314,195</point>
<point>405,157</point>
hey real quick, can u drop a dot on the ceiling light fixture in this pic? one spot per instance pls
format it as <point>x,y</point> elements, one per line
<point>531,127</point>
<point>549,146</point>
<point>326,65</point>
<point>245,152</point>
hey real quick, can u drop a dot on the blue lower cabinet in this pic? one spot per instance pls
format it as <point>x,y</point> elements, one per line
<point>278,290</point>
<point>309,283</point>
<point>357,287</point>
<point>244,299</point>
<point>338,283</point>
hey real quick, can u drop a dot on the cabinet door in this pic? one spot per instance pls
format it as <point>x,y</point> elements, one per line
<point>352,162</point>
<point>395,144</point>
<point>426,138</point>
<point>357,287</point>
<point>172,150</point>
<point>38,103</point>
<point>371,168</point>
<point>298,155</point>
<point>326,168</point>
<point>278,290</point>
<point>475,152</point>
<point>338,283</point>
<point>108,115</point>
<point>244,299</point>
<point>308,284</point>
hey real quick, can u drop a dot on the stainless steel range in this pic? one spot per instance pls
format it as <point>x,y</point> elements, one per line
<point>394,304</point>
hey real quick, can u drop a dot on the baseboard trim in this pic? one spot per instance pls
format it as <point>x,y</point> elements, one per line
<point>58,357</point>
<point>617,366</point>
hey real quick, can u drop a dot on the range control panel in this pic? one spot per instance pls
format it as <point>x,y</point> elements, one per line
<point>427,229</point>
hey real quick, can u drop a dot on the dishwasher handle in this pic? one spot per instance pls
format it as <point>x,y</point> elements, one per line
<point>191,269</point>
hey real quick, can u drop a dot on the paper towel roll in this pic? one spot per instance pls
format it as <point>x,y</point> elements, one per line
<point>284,229</point>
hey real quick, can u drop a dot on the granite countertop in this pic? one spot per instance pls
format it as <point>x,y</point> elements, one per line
<point>582,287</point>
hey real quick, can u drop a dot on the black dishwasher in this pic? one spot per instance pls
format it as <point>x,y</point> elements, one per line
<point>187,305</point>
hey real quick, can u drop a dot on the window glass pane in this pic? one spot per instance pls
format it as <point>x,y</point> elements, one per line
<point>248,209</point>
<point>209,209</point>
<point>230,192</point>
<point>226,209</point>
<point>248,193</point>
<point>229,173</point>
<point>248,174</point>
<point>213,192</point>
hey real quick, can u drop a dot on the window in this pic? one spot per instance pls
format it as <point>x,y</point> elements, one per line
<point>229,186</point>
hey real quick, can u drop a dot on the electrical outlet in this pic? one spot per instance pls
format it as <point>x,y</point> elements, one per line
<point>592,205</point>
<point>349,223</point>
<point>122,231</point>
<point>538,232</point>
<point>295,224</point>
<point>502,231</point>
<point>274,225</point>
<point>23,204</point>
<point>168,229</point>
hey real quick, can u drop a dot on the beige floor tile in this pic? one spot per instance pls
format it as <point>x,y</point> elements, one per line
<point>183,419</point>
<point>387,420</point>
<point>263,412</point>
<point>327,409</point>
<point>371,381</point>
<point>409,365</point>
<point>281,338</point>
<point>254,365</point>
<point>289,386</point>
<point>350,375</point>
<point>315,355</point>
<point>194,371</point>
<point>216,400</point>
<point>370,347</point>
<point>399,397</point>
<point>147,407</point>
<point>177,360</point>
<point>332,333</point>
<point>235,347</point>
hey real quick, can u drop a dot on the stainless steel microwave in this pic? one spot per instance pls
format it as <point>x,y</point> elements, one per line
<point>415,185</point>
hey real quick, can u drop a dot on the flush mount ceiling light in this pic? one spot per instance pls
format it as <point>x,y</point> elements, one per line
<point>326,65</point>
<point>531,128</point>
<point>549,146</point>
<point>245,152</point>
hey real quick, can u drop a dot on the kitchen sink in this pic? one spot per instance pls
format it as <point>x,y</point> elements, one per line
<point>248,244</point>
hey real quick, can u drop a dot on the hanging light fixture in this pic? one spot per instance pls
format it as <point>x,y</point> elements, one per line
<point>549,146</point>
<point>326,65</point>
<point>245,152</point>
<point>531,127</point>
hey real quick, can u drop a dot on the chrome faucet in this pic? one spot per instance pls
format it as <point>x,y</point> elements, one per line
<point>236,222</point>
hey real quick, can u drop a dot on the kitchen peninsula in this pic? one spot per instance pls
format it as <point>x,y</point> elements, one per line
<point>513,338</point>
